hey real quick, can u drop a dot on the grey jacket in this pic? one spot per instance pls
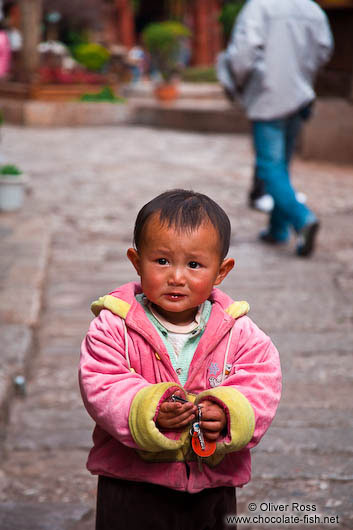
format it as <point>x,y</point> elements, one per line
<point>276,49</point>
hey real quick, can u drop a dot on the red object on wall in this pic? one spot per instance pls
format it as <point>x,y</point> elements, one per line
<point>14,16</point>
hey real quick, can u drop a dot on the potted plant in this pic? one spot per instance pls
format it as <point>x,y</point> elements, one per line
<point>12,188</point>
<point>164,41</point>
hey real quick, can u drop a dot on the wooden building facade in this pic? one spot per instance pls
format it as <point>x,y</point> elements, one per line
<point>202,16</point>
<point>121,25</point>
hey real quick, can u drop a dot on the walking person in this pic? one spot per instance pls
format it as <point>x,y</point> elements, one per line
<point>180,382</point>
<point>275,51</point>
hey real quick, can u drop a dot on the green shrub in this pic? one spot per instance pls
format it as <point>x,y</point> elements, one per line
<point>92,56</point>
<point>200,75</point>
<point>105,95</point>
<point>163,41</point>
<point>10,169</point>
<point>228,16</point>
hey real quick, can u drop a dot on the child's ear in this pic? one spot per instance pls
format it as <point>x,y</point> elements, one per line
<point>134,257</point>
<point>225,267</point>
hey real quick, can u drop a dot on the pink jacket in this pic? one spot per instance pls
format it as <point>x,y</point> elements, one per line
<point>125,373</point>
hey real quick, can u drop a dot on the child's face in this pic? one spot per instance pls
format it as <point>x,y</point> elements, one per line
<point>179,269</point>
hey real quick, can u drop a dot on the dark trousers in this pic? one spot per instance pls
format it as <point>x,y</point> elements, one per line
<point>126,505</point>
<point>257,189</point>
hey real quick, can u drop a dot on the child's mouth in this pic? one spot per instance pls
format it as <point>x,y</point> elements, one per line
<point>175,296</point>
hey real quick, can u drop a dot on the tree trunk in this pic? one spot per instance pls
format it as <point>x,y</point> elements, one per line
<point>31,18</point>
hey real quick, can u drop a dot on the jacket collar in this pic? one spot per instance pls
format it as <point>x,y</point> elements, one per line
<point>122,302</point>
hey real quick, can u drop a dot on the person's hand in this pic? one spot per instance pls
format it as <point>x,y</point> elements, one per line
<point>213,420</point>
<point>175,416</point>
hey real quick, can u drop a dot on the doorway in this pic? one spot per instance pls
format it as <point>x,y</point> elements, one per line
<point>150,11</point>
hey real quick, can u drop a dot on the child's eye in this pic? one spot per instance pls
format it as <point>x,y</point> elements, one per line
<point>162,261</point>
<point>194,265</point>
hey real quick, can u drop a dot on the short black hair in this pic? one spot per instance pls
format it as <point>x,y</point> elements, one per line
<point>185,209</point>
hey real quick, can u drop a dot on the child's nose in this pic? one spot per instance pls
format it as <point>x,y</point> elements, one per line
<point>176,276</point>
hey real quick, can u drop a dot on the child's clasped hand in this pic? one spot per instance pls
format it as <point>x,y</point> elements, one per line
<point>213,420</point>
<point>176,416</point>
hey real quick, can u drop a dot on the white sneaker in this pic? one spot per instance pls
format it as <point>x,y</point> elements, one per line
<point>265,203</point>
<point>301,197</point>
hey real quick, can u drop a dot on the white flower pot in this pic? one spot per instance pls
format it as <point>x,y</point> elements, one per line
<point>12,192</point>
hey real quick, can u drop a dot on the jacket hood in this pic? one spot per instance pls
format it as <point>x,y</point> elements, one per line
<point>120,301</point>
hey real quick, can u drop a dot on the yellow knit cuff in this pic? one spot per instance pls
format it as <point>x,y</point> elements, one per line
<point>141,419</point>
<point>241,417</point>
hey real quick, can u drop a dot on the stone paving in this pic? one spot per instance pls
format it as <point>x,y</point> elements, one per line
<point>86,187</point>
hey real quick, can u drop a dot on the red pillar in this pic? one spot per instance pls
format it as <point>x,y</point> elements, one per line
<point>126,27</point>
<point>207,39</point>
<point>200,55</point>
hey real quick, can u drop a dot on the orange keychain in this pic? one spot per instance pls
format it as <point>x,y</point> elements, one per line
<point>201,446</point>
<point>209,447</point>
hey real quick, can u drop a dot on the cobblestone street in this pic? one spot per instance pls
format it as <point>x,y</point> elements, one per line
<point>86,186</point>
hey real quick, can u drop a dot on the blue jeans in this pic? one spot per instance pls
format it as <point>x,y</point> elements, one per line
<point>274,143</point>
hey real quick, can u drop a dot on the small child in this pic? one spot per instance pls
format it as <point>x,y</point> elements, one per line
<point>181,384</point>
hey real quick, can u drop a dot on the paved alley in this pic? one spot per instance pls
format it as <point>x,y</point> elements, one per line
<point>86,186</point>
